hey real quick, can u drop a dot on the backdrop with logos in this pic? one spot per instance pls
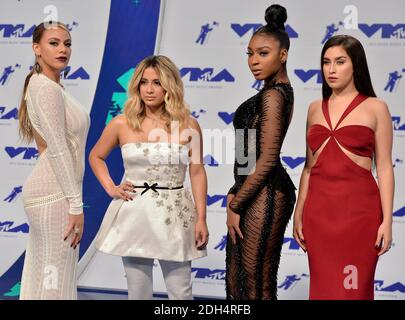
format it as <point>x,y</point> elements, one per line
<point>208,44</point>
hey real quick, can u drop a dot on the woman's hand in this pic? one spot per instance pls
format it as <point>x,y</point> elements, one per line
<point>297,231</point>
<point>121,191</point>
<point>201,234</point>
<point>232,221</point>
<point>384,237</point>
<point>75,228</point>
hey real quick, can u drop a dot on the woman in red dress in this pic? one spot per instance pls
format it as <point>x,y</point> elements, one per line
<point>342,218</point>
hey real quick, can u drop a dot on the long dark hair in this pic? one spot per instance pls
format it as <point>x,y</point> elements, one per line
<point>275,17</point>
<point>355,51</point>
<point>25,126</point>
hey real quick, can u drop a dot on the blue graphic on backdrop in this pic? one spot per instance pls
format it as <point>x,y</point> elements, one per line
<point>222,244</point>
<point>16,31</point>
<point>7,71</point>
<point>258,85</point>
<point>397,124</point>
<point>27,152</point>
<point>205,30</point>
<point>388,31</point>
<point>216,198</point>
<point>8,114</point>
<point>226,117</point>
<point>71,25</point>
<point>210,161</point>
<point>397,286</point>
<point>306,75</point>
<point>291,280</point>
<point>79,73</point>
<point>10,227</point>
<point>242,29</point>
<point>197,114</point>
<point>13,195</point>
<point>399,213</point>
<point>397,162</point>
<point>293,162</point>
<point>331,31</point>
<point>206,75</point>
<point>205,273</point>
<point>292,243</point>
<point>393,80</point>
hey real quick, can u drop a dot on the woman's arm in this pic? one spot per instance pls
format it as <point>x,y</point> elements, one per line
<point>385,174</point>
<point>106,143</point>
<point>198,178</point>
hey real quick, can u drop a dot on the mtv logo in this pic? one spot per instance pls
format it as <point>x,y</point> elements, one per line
<point>28,152</point>
<point>226,117</point>
<point>397,125</point>
<point>306,75</point>
<point>207,74</point>
<point>205,273</point>
<point>387,30</point>
<point>293,162</point>
<point>80,73</point>
<point>397,286</point>
<point>209,160</point>
<point>12,114</point>
<point>16,31</point>
<point>216,198</point>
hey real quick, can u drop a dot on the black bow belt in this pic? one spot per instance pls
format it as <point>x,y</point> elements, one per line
<point>154,187</point>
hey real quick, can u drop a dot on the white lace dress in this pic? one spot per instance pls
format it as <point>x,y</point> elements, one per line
<point>157,223</point>
<point>53,190</point>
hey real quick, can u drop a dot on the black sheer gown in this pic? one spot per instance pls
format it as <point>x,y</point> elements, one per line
<point>264,199</point>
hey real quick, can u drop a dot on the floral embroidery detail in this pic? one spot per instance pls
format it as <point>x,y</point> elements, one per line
<point>185,224</point>
<point>159,203</point>
<point>165,195</point>
<point>155,195</point>
<point>169,208</point>
<point>138,144</point>
<point>168,221</point>
<point>177,202</point>
<point>180,215</point>
<point>145,151</point>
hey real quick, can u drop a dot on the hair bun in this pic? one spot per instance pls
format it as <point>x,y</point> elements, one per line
<point>276,16</point>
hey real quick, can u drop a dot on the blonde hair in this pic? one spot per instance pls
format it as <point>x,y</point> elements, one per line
<point>25,126</point>
<point>175,109</point>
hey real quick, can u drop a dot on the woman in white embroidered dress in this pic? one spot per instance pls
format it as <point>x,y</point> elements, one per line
<point>153,215</point>
<point>52,194</point>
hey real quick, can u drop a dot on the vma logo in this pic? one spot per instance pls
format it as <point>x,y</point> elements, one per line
<point>393,80</point>
<point>216,198</point>
<point>397,286</point>
<point>205,273</point>
<point>292,163</point>
<point>204,32</point>
<point>291,280</point>
<point>210,161</point>
<point>8,114</point>
<point>388,31</point>
<point>206,75</point>
<point>306,75</point>
<point>13,195</point>
<point>397,125</point>
<point>6,73</point>
<point>242,29</point>
<point>27,153</point>
<point>80,73</point>
<point>8,226</point>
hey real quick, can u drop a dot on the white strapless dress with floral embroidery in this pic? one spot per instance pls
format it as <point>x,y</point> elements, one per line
<point>157,223</point>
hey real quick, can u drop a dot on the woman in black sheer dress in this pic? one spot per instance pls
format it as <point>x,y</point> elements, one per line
<point>261,201</point>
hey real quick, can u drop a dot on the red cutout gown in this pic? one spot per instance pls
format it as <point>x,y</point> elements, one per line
<point>342,212</point>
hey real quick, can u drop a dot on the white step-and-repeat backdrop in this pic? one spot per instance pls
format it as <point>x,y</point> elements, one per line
<point>207,40</point>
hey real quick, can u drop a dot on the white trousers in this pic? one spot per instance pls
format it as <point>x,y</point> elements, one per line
<point>139,271</point>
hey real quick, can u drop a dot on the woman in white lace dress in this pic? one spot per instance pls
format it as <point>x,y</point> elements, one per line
<point>153,215</point>
<point>52,194</point>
